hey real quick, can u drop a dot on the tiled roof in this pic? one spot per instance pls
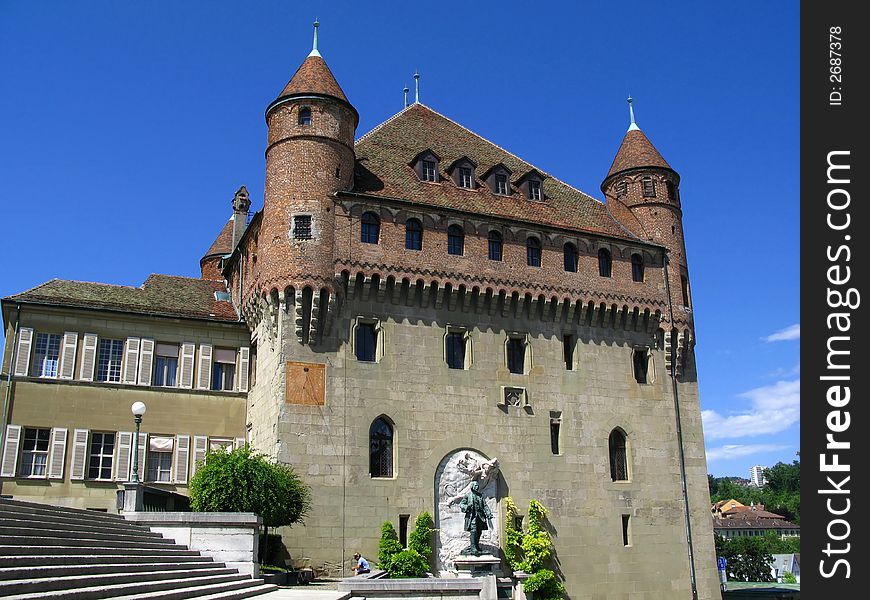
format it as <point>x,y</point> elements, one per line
<point>384,156</point>
<point>223,243</point>
<point>732,523</point>
<point>313,77</point>
<point>759,513</point>
<point>636,151</point>
<point>164,295</point>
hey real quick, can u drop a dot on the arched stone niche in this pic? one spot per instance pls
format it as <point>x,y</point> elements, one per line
<point>453,480</point>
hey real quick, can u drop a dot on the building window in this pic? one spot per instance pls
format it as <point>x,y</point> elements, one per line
<point>604,262</point>
<point>536,191</point>
<point>495,244</point>
<point>570,258</point>
<point>403,530</point>
<point>413,234</point>
<point>371,228</point>
<point>533,252</point>
<point>305,116</point>
<point>166,365</point>
<point>626,541</point>
<point>46,355</point>
<point>640,361</point>
<point>100,456</point>
<point>220,445</point>
<point>621,188</point>
<point>429,171</point>
<point>34,455</point>
<point>672,190</point>
<point>302,227</point>
<point>684,286</point>
<point>366,342</point>
<point>381,448</point>
<point>636,267</point>
<point>516,354</point>
<point>466,177</point>
<point>455,240</point>
<point>649,187</point>
<point>109,362</point>
<point>501,184</point>
<point>555,430</point>
<point>159,459</point>
<point>618,458</point>
<point>456,346</point>
<point>223,374</point>
<point>568,343</point>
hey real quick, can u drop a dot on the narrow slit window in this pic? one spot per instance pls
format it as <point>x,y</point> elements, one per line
<point>568,351</point>
<point>604,263</point>
<point>403,530</point>
<point>626,530</point>
<point>555,431</point>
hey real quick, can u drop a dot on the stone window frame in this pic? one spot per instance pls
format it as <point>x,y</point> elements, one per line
<point>393,447</point>
<point>613,454</point>
<point>643,353</point>
<point>524,396</point>
<point>569,347</point>
<point>556,447</point>
<point>527,350</point>
<point>469,346</point>
<point>626,530</point>
<point>379,337</point>
<point>312,226</point>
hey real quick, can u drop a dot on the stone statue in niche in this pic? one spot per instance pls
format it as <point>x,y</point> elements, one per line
<point>478,517</point>
<point>456,474</point>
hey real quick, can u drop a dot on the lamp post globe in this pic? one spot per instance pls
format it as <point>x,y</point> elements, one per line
<point>138,409</point>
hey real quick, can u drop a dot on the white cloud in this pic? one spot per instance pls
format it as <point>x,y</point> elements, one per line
<point>772,409</point>
<point>792,332</point>
<point>730,451</point>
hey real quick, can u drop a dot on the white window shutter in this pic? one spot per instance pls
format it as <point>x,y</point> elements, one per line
<point>200,447</point>
<point>22,355</point>
<point>68,355</point>
<point>146,361</point>
<point>58,453</point>
<point>239,443</point>
<point>203,380</point>
<point>188,350</point>
<point>131,361</point>
<point>182,458</point>
<point>89,357</point>
<point>244,362</point>
<point>10,450</point>
<point>143,450</point>
<point>122,462</point>
<point>79,455</point>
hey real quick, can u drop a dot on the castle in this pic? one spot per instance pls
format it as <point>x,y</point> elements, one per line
<point>404,301</point>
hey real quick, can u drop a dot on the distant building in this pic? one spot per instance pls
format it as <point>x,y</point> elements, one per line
<point>743,521</point>
<point>783,563</point>
<point>724,505</point>
<point>756,476</point>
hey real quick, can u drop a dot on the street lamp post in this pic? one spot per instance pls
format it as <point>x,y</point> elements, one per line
<point>138,410</point>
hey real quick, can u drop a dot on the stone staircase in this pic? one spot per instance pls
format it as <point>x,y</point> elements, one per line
<point>53,552</point>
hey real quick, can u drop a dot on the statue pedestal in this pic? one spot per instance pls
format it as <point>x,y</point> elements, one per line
<point>477,566</point>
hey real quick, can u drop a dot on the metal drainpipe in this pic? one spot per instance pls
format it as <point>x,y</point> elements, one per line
<point>7,399</point>
<point>680,436</point>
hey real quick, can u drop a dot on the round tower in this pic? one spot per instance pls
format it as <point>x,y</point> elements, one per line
<point>309,157</point>
<point>644,188</point>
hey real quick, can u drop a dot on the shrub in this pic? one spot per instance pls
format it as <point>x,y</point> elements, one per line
<point>389,545</point>
<point>530,551</point>
<point>545,585</point>
<point>407,563</point>
<point>789,577</point>
<point>420,539</point>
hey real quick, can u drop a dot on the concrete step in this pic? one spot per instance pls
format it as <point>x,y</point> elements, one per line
<point>17,548</point>
<point>101,568</point>
<point>60,531</point>
<point>222,591</point>
<point>69,582</point>
<point>137,588</point>
<point>118,557</point>
<point>53,540</point>
<point>236,594</point>
<point>38,508</point>
<point>69,522</point>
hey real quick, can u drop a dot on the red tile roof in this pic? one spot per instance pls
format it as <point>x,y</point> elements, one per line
<point>384,156</point>
<point>313,77</point>
<point>636,151</point>
<point>223,243</point>
<point>162,295</point>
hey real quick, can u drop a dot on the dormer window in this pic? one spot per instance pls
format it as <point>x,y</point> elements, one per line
<point>535,191</point>
<point>466,177</point>
<point>498,178</point>
<point>462,172</point>
<point>532,184</point>
<point>501,184</point>
<point>305,116</point>
<point>426,166</point>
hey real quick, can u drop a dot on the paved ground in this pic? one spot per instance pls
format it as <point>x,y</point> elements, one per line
<point>316,590</point>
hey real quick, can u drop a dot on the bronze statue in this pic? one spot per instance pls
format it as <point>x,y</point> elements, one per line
<point>478,517</point>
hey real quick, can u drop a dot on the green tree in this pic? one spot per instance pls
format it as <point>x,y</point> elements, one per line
<point>389,545</point>
<point>532,550</point>
<point>747,558</point>
<point>420,540</point>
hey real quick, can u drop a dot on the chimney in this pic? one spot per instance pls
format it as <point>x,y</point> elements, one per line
<point>241,204</point>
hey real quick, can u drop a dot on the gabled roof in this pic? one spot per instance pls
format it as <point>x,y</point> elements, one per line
<point>383,156</point>
<point>313,77</point>
<point>160,295</point>
<point>636,152</point>
<point>223,243</point>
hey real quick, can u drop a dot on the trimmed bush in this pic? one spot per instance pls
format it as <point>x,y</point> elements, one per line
<point>544,585</point>
<point>407,563</point>
<point>389,545</point>
<point>420,539</point>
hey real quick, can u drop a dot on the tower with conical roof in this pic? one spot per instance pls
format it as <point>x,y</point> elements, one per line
<point>642,191</point>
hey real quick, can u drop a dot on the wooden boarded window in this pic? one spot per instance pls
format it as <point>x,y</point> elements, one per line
<point>305,384</point>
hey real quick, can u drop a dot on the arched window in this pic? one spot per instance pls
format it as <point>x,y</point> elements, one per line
<point>381,448</point>
<point>604,262</point>
<point>455,240</point>
<point>305,116</point>
<point>570,258</point>
<point>495,245</point>
<point>636,267</point>
<point>371,228</point>
<point>413,234</point>
<point>533,252</point>
<point>618,456</point>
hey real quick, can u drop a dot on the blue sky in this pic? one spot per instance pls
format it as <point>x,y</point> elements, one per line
<point>126,127</point>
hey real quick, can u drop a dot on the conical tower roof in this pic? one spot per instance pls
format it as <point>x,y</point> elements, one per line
<point>637,152</point>
<point>313,77</point>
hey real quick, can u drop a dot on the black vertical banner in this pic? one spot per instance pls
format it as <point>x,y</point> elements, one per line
<point>835,225</point>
